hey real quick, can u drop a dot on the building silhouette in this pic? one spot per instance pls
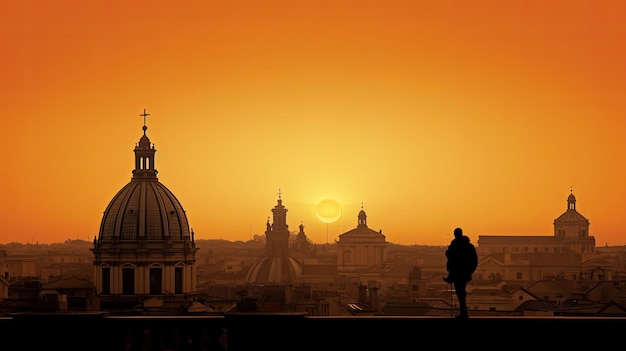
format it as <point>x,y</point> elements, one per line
<point>360,248</point>
<point>145,249</point>
<point>302,244</point>
<point>528,258</point>
<point>276,266</point>
<point>574,227</point>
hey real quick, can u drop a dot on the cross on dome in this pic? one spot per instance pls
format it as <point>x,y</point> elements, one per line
<point>144,115</point>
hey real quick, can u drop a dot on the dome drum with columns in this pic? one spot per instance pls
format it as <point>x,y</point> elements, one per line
<point>145,247</point>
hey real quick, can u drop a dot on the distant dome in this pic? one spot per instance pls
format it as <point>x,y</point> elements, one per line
<point>275,270</point>
<point>572,224</point>
<point>277,266</point>
<point>362,231</point>
<point>571,215</point>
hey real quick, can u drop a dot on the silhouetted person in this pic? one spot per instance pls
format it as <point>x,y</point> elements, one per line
<point>462,262</point>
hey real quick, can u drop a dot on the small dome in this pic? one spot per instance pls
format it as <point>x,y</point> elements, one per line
<point>571,216</point>
<point>144,142</point>
<point>362,231</point>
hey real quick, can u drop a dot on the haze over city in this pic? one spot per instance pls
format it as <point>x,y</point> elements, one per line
<point>429,115</point>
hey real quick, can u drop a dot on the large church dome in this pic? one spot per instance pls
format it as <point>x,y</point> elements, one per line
<point>144,208</point>
<point>144,248</point>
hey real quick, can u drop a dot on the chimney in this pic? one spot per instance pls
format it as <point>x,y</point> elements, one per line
<point>373,298</point>
<point>363,294</point>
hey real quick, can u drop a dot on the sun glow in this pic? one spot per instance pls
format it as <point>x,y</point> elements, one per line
<point>328,211</point>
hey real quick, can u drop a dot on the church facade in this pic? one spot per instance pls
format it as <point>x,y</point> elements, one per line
<point>527,258</point>
<point>360,247</point>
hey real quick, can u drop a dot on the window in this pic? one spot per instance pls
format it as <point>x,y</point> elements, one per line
<point>518,275</point>
<point>106,280</point>
<point>178,280</point>
<point>128,281</point>
<point>156,279</point>
<point>347,257</point>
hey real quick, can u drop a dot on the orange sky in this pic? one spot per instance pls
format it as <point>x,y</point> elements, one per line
<point>429,114</point>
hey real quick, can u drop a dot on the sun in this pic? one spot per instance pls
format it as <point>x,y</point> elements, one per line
<point>328,211</point>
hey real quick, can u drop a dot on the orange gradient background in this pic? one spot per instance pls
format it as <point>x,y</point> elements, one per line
<point>429,114</point>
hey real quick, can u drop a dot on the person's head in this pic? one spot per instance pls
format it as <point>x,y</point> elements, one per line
<point>458,232</point>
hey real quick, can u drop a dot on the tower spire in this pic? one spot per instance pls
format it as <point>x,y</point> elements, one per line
<point>277,235</point>
<point>144,155</point>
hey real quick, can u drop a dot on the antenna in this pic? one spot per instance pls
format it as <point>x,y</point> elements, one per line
<point>326,232</point>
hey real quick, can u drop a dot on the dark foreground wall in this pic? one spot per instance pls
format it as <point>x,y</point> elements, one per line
<point>254,331</point>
